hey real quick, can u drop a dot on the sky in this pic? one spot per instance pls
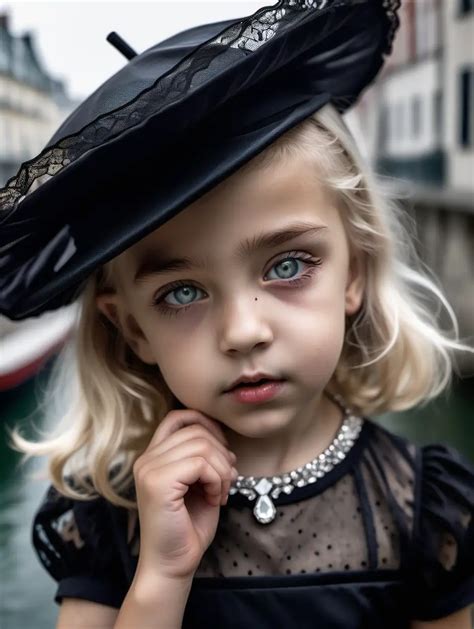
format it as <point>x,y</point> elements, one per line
<point>70,35</point>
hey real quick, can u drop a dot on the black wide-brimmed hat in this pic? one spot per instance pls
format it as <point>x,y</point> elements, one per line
<point>171,124</point>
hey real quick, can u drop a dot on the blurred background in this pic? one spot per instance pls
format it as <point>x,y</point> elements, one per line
<point>416,125</point>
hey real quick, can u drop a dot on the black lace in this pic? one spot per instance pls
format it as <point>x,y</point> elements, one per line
<point>247,35</point>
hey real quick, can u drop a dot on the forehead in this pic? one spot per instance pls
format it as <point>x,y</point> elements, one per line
<point>247,203</point>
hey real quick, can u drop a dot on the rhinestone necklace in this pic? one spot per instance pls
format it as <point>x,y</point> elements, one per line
<point>266,486</point>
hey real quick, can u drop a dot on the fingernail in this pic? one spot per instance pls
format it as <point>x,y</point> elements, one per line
<point>234,471</point>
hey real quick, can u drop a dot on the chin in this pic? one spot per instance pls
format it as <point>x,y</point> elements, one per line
<point>261,426</point>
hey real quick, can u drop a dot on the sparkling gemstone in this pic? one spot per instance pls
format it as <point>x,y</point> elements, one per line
<point>248,492</point>
<point>264,510</point>
<point>263,486</point>
<point>287,489</point>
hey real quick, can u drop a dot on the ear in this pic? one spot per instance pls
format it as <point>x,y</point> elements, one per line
<point>112,306</point>
<point>355,285</point>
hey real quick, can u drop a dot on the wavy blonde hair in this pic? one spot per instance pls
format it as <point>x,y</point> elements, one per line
<point>395,354</point>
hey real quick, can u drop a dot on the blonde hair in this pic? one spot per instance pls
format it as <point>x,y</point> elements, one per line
<point>395,354</point>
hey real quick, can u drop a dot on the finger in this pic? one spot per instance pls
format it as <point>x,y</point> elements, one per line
<point>192,449</point>
<point>195,431</point>
<point>177,476</point>
<point>187,449</point>
<point>177,419</point>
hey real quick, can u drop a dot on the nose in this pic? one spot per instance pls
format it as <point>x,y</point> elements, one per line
<point>244,324</point>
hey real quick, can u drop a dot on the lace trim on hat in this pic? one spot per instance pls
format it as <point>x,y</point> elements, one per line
<point>248,35</point>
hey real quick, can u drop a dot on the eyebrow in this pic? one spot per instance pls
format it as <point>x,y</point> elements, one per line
<point>155,263</point>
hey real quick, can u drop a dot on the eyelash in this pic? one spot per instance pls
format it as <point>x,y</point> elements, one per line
<point>158,302</point>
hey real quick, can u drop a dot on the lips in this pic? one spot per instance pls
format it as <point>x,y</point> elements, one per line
<point>251,379</point>
<point>251,384</point>
<point>248,384</point>
<point>257,393</point>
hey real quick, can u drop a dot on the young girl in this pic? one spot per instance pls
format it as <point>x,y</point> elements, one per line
<point>182,492</point>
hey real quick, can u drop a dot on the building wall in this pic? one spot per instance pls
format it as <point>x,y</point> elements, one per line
<point>427,26</point>
<point>458,32</point>
<point>28,118</point>
<point>408,99</point>
<point>32,103</point>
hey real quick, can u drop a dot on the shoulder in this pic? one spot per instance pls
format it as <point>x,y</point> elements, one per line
<point>432,490</point>
<point>435,479</point>
<point>85,545</point>
<point>441,476</point>
<point>429,467</point>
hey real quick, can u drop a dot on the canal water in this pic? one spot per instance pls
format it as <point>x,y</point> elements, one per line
<point>27,590</point>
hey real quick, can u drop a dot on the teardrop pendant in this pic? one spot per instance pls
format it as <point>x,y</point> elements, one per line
<point>264,509</point>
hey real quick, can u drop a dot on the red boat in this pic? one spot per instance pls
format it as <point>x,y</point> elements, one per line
<point>26,345</point>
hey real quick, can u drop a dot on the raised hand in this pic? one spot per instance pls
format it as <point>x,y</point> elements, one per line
<point>181,480</point>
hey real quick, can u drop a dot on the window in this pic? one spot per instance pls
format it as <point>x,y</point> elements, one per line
<point>466,6</point>
<point>383,127</point>
<point>438,114</point>
<point>416,116</point>
<point>399,121</point>
<point>466,101</point>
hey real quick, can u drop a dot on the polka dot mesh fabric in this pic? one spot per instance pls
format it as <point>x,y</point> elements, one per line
<point>325,532</point>
<point>307,536</point>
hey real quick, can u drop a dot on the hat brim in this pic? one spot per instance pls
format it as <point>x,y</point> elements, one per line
<point>129,184</point>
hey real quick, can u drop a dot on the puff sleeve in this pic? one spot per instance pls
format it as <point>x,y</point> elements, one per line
<point>76,543</point>
<point>442,576</point>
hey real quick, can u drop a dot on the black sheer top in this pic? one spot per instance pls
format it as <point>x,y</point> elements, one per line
<point>385,537</point>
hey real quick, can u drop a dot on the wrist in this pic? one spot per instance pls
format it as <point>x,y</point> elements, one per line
<point>148,582</point>
<point>153,596</point>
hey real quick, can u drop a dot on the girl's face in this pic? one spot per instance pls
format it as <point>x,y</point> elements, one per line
<point>278,308</point>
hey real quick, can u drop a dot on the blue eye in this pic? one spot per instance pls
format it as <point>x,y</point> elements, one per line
<point>288,264</point>
<point>187,291</point>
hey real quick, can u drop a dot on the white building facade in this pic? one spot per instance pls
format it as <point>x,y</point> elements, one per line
<point>458,35</point>
<point>410,141</point>
<point>31,102</point>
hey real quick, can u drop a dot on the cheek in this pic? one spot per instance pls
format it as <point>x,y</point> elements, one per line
<point>180,357</point>
<point>317,331</point>
<point>318,307</point>
<point>319,355</point>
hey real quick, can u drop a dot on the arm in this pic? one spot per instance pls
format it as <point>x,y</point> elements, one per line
<point>154,602</point>
<point>76,613</point>
<point>151,603</point>
<point>461,619</point>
